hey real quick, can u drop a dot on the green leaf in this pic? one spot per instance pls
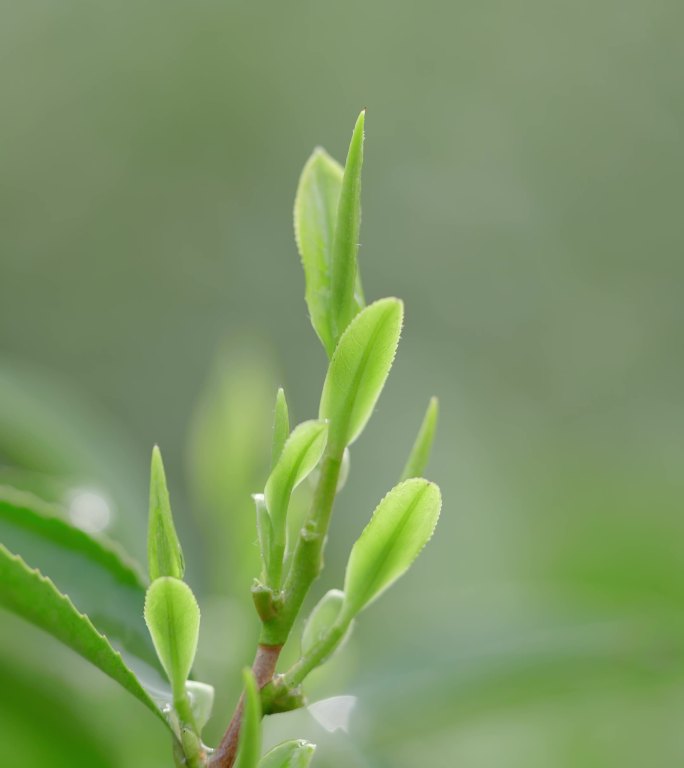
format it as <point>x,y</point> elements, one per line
<point>343,306</point>
<point>164,554</point>
<point>100,581</point>
<point>420,453</point>
<point>315,212</point>
<point>401,525</point>
<point>28,593</point>
<point>173,618</point>
<point>290,754</point>
<point>301,453</point>
<point>281,426</point>
<point>249,745</point>
<point>315,216</point>
<point>358,370</point>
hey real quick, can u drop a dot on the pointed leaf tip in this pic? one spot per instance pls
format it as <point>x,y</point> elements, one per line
<point>346,241</point>
<point>164,553</point>
<point>281,426</point>
<point>420,452</point>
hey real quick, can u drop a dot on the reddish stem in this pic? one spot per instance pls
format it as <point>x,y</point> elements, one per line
<point>264,668</point>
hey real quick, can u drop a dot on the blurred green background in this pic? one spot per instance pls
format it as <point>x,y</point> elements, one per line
<point>522,194</point>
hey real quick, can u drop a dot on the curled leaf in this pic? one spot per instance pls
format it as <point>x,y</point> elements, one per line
<point>420,452</point>
<point>346,240</point>
<point>358,370</point>
<point>164,554</point>
<point>401,525</point>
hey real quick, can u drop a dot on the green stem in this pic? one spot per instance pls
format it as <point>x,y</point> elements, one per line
<point>307,559</point>
<point>314,658</point>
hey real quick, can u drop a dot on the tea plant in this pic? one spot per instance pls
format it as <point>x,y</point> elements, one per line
<point>98,607</point>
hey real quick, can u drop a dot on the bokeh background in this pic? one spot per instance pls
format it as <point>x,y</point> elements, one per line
<point>522,194</point>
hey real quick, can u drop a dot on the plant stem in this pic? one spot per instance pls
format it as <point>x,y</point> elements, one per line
<point>307,559</point>
<point>307,562</point>
<point>264,668</point>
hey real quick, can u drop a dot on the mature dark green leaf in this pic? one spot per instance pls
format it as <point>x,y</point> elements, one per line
<point>27,592</point>
<point>173,618</point>
<point>281,426</point>
<point>164,553</point>
<point>420,452</point>
<point>100,581</point>
<point>358,370</point>
<point>299,456</point>
<point>401,525</point>
<point>290,754</point>
<point>343,305</point>
<point>249,746</point>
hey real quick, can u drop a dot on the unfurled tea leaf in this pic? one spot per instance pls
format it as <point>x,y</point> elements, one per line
<point>401,525</point>
<point>420,453</point>
<point>358,370</point>
<point>173,618</point>
<point>164,554</point>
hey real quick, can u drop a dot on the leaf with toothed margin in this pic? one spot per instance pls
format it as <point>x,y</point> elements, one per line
<point>290,754</point>
<point>29,594</point>
<point>402,524</point>
<point>249,745</point>
<point>358,370</point>
<point>101,581</point>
